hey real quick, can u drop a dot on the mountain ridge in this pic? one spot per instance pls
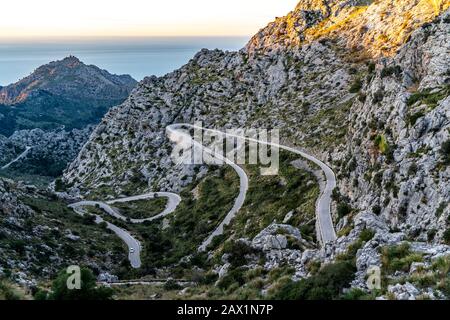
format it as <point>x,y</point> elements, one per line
<point>53,111</point>
<point>64,78</point>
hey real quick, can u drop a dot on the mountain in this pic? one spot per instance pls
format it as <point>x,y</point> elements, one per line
<point>47,153</point>
<point>62,93</point>
<point>53,111</point>
<point>362,86</point>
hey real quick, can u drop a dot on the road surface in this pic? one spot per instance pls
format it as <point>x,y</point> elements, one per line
<point>134,246</point>
<point>135,256</point>
<point>157,282</point>
<point>22,155</point>
<point>172,204</point>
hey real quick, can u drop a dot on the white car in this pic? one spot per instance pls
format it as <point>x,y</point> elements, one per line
<point>131,250</point>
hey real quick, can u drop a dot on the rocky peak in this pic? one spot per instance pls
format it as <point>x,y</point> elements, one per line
<point>375,28</point>
<point>71,62</point>
<point>66,78</point>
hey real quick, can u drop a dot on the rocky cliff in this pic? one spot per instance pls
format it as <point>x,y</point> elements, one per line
<point>48,156</point>
<point>373,28</point>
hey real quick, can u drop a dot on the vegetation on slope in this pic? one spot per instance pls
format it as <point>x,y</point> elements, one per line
<point>56,232</point>
<point>142,209</point>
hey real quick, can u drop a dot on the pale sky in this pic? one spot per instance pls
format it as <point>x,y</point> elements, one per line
<point>49,18</point>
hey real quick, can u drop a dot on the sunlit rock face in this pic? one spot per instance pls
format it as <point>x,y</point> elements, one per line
<point>375,27</point>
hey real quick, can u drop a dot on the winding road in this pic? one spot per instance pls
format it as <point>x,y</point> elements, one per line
<point>134,246</point>
<point>175,133</point>
<point>180,137</point>
<point>323,205</point>
<point>22,155</point>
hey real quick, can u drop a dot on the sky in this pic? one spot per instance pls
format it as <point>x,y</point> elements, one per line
<point>62,18</point>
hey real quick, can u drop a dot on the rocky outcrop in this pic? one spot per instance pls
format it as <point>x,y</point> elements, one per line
<point>282,243</point>
<point>395,142</point>
<point>375,28</point>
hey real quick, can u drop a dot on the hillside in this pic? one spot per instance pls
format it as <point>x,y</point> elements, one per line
<point>362,86</point>
<point>39,236</point>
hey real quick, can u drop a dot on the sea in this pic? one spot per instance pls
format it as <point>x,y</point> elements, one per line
<point>138,57</point>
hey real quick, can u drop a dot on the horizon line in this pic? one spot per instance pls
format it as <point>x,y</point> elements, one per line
<point>122,37</point>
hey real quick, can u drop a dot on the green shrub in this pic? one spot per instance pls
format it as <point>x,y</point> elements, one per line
<point>60,186</point>
<point>7,292</point>
<point>366,235</point>
<point>237,251</point>
<point>362,97</point>
<point>376,210</point>
<point>441,208</point>
<point>171,285</point>
<point>89,219</point>
<point>412,170</point>
<point>356,294</point>
<point>445,152</point>
<point>430,97</point>
<point>389,71</point>
<point>209,278</point>
<point>327,284</point>
<point>378,178</point>
<point>343,209</point>
<point>356,86</point>
<point>88,290</point>
<point>412,119</point>
<point>431,234</point>
<point>41,295</point>
<point>232,277</point>
<point>378,97</point>
<point>446,236</point>
<point>381,143</point>
<point>398,258</point>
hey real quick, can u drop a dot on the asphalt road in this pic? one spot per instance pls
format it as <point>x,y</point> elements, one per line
<point>134,246</point>
<point>23,154</point>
